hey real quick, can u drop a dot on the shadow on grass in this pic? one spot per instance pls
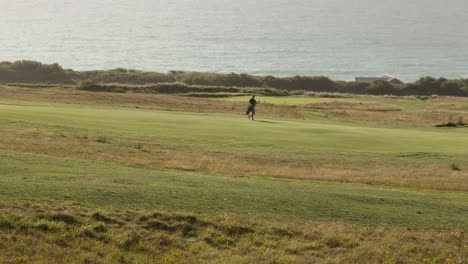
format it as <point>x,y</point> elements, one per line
<point>450,124</point>
<point>264,121</point>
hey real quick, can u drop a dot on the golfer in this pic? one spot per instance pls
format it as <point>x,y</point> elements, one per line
<point>251,110</point>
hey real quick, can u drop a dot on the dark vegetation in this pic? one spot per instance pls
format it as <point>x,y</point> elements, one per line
<point>123,80</point>
<point>38,233</point>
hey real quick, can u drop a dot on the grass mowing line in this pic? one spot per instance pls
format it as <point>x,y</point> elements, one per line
<point>39,178</point>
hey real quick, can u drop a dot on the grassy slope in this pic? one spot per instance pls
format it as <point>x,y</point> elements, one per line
<point>32,172</point>
<point>403,156</point>
<point>38,178</point>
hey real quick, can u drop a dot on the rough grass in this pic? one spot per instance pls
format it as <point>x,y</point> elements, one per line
<point>387,110</point>
<point>34,234</point>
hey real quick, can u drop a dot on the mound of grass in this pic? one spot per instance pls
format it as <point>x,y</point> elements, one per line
<point>146,236</point>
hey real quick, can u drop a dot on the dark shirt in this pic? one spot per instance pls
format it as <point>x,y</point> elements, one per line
<point>252,102</point>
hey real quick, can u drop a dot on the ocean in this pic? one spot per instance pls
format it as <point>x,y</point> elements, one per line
<point>340,39</point>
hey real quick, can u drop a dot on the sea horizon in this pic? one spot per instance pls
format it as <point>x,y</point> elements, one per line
<point>337,39</point>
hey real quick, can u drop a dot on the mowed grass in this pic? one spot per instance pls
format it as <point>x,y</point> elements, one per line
<point>230,144</point>
<point>264,135</point>
<point>37,178</point>
<point>119,183</point>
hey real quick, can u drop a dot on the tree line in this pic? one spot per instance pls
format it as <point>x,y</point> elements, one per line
<point>37,72</point>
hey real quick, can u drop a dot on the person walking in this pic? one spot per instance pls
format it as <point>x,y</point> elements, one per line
<point>251,110</point>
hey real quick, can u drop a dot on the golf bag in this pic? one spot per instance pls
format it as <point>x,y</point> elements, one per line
<point>249,110</point>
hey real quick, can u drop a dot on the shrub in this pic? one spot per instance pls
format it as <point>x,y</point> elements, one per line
<point>208,95</point>
<point>185,82</point>
<point>383,88</point>
<point>125,76</point>
<point>352,87</point>
<point>32,72</point>
<point>219,79</point>
<point>306,83</point>
<point>170,88</point>
<point>332,241</point>
<point>273,92</point>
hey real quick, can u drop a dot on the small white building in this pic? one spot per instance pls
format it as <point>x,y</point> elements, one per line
<point>385,77</point>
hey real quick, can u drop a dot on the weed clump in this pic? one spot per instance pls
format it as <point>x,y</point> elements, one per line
<point>49,226</point>
<point>158,225</point>
<point>139,146</point>
<point>332,241</point>
<point>100,229</point>
<point>455,167</point>
<point>238,230</point>
<point>186,218</point>
<point>218,240</point>
<point>99,216</point>
<point>6,224</point>
<point>335,241</point>
<point>102,139</point>
<point>65,218</point>
<point>132,242</point>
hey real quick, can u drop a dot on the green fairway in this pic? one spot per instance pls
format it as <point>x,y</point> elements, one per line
<point>225,131</point>
<point>36,178</point>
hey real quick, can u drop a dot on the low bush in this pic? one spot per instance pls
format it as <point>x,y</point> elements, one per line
<point>184,82</point>
<point>33,72</point>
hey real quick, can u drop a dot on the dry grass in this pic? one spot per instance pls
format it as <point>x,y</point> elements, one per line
<point>358,106</point>
<point>429,118</point>
<point>38,233</point>
<point>434,112</point>
<point>392,172</point>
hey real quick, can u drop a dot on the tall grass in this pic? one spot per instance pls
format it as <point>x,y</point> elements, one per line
<point>33,233</point>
